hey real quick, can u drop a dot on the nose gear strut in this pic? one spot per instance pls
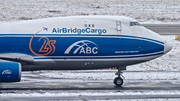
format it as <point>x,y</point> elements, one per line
<point>118,81</point>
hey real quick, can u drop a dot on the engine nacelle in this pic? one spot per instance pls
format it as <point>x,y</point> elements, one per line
<point>10,72</point>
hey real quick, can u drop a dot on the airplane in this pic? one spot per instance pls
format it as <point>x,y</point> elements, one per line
<point>76,43</point>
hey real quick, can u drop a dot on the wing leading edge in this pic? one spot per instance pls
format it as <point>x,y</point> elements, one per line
<point>17,57</point>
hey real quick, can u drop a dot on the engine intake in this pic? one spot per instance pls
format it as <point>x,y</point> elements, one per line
<point>10,72</point>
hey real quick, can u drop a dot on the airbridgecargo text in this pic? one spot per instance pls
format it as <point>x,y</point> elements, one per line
<point>78,31</point>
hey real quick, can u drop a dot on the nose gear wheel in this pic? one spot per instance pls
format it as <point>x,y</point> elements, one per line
<point>118,81</point>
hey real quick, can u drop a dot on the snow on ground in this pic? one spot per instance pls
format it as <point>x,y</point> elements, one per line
<point>58,94</point>
<point>147,11</point>
<point>106,94</point>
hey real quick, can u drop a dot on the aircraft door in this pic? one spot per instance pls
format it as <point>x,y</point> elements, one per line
<point>118,27</point>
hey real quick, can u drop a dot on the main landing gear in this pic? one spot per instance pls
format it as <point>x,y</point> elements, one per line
<point>118,81</point>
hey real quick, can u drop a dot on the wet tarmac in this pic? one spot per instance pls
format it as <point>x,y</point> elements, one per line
<point>164,29</point>
<point>32,82</point>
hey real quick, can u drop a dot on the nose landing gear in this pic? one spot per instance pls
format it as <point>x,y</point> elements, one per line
<point>118,81</point>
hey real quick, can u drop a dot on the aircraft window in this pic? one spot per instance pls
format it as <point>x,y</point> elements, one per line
<point>135,24</point>
<point>92,25</point>
<point>89,25</point>
<point>85,25</point>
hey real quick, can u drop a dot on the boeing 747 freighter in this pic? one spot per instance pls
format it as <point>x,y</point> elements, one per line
<point>76,43</point>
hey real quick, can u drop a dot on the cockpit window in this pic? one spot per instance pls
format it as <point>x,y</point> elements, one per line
<point>135,24</point>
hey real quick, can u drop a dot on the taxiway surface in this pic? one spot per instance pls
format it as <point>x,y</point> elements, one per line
<point>164,29</point>
<point>32,82</point>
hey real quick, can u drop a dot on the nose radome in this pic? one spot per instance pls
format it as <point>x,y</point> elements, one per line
<point>167,46</point>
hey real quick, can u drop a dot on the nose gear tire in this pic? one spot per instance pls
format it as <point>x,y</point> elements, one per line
<point>118,81</point>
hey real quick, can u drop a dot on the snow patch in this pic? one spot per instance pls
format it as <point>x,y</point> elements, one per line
<point>91,94</point>
<point>147,11</point>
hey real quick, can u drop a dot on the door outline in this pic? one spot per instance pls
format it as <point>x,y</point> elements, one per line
<point>118,26</point>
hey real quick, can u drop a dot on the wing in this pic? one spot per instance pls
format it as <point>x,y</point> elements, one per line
<point>17,57</point>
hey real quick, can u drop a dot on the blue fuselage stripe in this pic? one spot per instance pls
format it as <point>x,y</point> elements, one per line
<point>80,45</point>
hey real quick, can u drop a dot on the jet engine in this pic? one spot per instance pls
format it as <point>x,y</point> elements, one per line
<point>10,72</point>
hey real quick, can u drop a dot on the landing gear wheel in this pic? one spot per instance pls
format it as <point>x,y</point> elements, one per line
<point>118,81</point>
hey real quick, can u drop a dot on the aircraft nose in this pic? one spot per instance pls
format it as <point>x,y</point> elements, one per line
<point>167,46</point>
